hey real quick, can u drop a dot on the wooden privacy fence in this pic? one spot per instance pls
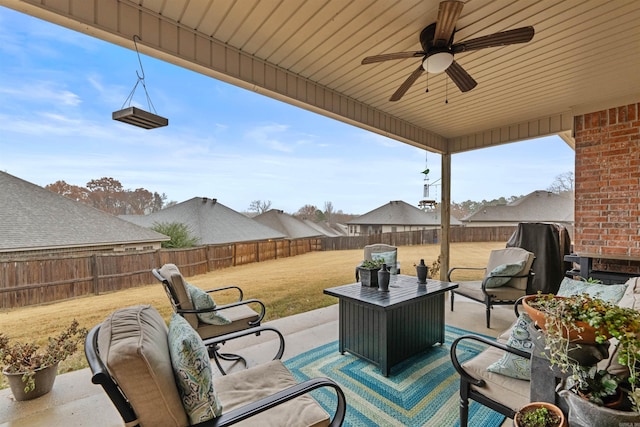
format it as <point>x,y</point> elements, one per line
<point>55,277</point>
<point>30,281</point>
<point>420,237</point>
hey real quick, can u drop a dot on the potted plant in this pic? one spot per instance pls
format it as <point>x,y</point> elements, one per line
<point>368,272</point>
<point>539,414</point>
<point>30,368</point>
<point>600,387</point>
<point>568,323</point>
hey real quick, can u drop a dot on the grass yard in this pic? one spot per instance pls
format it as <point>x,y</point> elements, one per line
<point>286,286</point>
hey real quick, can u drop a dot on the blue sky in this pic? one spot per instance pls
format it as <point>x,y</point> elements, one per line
<point>58,89</point>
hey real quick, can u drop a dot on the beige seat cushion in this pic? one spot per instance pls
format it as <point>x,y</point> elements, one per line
<point>133,345</point>
<point>511,392</point>
<point>511,256</point>
<point>172,274</point>
<point>235,389</point>
<point>474,290</point>
<point>239,315</point>
<point>631,297</point>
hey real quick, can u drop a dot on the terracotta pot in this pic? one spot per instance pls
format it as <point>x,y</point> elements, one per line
<point>587,336</point>
<point>44,378</point>
<point>534,405</point>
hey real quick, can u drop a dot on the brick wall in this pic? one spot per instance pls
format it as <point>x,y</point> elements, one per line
<point>607,184</point>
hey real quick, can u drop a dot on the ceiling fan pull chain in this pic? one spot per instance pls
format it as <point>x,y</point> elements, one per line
<point>427,91</point>
<point>446,90</point>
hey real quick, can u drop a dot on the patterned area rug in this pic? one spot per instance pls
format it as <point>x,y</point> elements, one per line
<point>421,391</point>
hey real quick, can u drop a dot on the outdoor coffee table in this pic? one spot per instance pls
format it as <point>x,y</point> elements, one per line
<point>386,328</point>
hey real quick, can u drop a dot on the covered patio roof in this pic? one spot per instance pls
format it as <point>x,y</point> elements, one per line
<point>584,56</point>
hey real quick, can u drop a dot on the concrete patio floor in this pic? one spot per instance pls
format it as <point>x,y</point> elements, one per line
<point>75,401</point>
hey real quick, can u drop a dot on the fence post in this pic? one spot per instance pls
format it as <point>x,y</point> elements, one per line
<point>95,274</point>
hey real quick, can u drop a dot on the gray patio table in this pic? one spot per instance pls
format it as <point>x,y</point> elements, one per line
<point>386,328</point>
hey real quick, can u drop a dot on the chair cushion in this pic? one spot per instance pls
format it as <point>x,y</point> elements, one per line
<point>389,259</point>
<point>202,300</point>
<point>171,273</point>
<point>239,315</point>
<point>511,256</point>
<point>474,290</point>
<point>133,346</point>
<point>630,298</point>
<point>511,364</point>
<point>192,371</point>
<point>503,270</point>
<point>610,293</point>
<point>241,387</point>
<point>509,391</point>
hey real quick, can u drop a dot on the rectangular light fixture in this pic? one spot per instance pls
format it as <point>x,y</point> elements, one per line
<point>137,117</point>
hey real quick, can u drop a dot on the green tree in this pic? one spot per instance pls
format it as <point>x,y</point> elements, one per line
<point>180,234</point>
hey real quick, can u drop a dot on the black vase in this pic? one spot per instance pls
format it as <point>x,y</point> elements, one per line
<point>383,278</point>
<point>421,271</point>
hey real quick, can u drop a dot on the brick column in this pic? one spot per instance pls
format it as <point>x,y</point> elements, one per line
<point>607,184</point>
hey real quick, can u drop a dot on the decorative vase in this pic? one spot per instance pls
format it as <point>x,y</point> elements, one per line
<point>44,378</point>
<point>421,271</point>
<point>368,277</point>
<point>583,413</point>
<point>534,405</point>
<point>383,278</point>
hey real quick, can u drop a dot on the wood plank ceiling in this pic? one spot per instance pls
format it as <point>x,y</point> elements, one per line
<point>584,57</point>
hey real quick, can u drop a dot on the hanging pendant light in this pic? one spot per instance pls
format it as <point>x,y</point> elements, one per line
<point>137,116</point>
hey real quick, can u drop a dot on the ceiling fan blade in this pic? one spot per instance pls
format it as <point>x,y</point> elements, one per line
<point>460,77</point>
<point>518,35</point>
<point>448,14</point>
<point>404,87</point>
<point>388,56</point>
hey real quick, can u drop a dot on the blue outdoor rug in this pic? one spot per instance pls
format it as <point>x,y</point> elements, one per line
<point>421,391</point>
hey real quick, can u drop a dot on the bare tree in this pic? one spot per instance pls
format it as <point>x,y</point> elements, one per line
<point>328,211</point>
<point>307,212</point>
<point>260,206</point>
<point>563,183</point>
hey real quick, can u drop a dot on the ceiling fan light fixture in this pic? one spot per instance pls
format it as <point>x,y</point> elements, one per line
<point>437,62</point>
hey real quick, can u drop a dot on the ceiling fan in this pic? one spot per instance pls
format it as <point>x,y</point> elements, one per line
<point>438,49</point>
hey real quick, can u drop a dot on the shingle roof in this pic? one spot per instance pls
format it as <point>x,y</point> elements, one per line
<point>538,206</point>
<point>210,221</point>
<point>287,224</point>
<point>325,228</point>
<point>33,218</point>
<point>398,212</point>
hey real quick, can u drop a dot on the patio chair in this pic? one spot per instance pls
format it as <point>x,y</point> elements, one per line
<point>501,392</point>
<point>507,275</point>
<point>159,376</point>
<point>381,250</point>
<point>220,319</point>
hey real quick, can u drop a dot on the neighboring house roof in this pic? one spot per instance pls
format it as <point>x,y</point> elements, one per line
<point>538,206</point>
<point>210,221</point>
<point>34,218</point>
<point>325,228</point>
<point>287,224</point>
<point>398,212</point>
